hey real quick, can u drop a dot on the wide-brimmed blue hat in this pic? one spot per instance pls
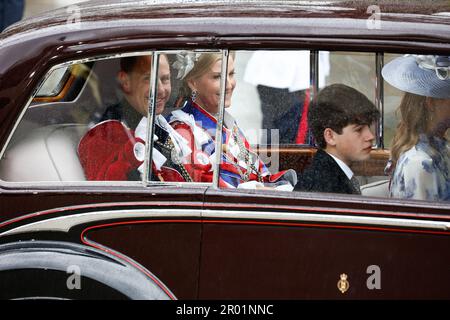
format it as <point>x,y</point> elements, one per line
<point>419,74</point>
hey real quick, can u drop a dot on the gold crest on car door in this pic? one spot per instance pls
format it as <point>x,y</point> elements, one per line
<point>343,284</point>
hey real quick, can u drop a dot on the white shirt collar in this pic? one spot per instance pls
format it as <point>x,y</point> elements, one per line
<point>348,172</point>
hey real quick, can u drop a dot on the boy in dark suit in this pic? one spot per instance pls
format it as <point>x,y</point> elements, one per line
<point>340,120</point>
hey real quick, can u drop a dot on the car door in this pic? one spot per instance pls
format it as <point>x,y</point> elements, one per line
<point>267,244</point>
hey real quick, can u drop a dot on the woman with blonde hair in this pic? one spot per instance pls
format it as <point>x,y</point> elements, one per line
<point>420,153</point>
<point>196,121</point>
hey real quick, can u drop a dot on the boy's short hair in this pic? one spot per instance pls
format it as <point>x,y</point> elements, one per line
<point>337,106</point>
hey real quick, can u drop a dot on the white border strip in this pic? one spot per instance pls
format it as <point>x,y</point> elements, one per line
<point>64,224</point>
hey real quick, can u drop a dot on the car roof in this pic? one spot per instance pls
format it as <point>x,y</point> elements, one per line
<point>321,16</point>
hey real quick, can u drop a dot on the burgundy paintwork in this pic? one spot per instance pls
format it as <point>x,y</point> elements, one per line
<point>251,260</point>
<point>237,258</point>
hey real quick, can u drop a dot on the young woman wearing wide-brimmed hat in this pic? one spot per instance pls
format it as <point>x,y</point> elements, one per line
<point>420,153</point>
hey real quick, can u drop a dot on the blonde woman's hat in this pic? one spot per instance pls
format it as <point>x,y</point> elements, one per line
<point>424,75</point>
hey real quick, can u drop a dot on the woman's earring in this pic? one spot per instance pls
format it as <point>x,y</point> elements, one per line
<point>194,95</point>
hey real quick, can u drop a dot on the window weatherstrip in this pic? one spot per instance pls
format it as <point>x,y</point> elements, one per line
<point>223,83</point>
<point>27,184</point>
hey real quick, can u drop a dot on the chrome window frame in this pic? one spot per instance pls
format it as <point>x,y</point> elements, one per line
<point>313,83</point>
<point>379,99</point>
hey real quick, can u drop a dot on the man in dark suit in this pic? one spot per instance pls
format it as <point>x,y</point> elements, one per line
<point>340,119</point>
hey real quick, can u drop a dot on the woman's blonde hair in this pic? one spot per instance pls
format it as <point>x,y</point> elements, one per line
<point>202,66</point>
<point>414,120</point>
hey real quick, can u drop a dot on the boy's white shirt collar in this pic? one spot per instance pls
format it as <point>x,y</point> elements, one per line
<point>348,172</point>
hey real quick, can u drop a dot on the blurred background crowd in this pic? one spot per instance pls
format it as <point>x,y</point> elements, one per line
<point>14,10</point>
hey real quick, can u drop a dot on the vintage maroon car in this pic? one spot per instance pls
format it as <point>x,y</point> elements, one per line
<point>63,236</point>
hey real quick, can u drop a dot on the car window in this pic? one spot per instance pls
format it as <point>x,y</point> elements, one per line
<point>271,95</point>
<point>358,71</point>
<point>392,99</point>
<point>89,122</point>
<point>270,91</point>
<point>417,100</point>
<point>268,144</point>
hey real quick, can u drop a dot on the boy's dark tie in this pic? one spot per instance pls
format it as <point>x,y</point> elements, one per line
<point>355,184</point>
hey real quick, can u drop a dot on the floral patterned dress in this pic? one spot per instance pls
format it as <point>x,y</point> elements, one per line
<point>422,172</point>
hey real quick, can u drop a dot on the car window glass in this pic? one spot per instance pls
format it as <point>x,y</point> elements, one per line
<point>355,69</point>
<point>44,145</point>
<point>266,92</point>
<point>53,85</point>
<point>256,158</point>
<point>358,71</point>
<point>186,112</point>
<point>271,87</point>
<point>392,98</point>
<point>416,95</point>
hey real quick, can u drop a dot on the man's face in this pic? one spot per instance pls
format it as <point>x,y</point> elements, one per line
<point>353,144</point>
<point>136,84</point>
<point>164,86</point>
